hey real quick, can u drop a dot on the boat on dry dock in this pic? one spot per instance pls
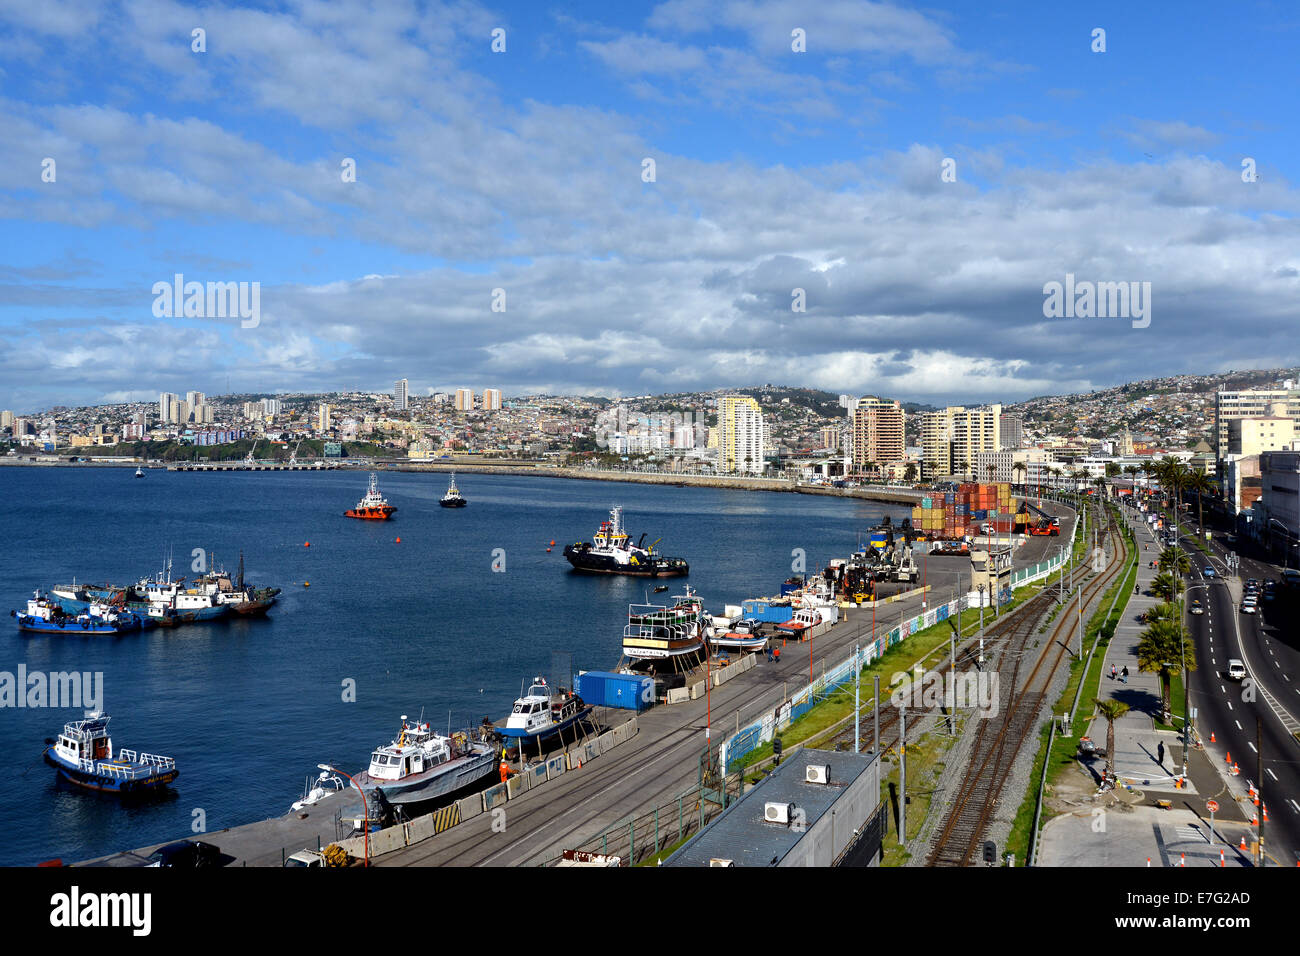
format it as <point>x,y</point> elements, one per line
<point>421,764</point>
<point>667,638</point>
<point>540,714</point>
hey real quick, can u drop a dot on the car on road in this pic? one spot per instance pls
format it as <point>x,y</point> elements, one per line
<point>1248,606</point>
<point>1252,583</point>
<point>1207,571</point>
<point>1197,608</point>
<point>1236,670</point>
<point>186,854</point>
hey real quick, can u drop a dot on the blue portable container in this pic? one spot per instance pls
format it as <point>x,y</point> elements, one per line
<point>623,691</point>
<point>591,687</point>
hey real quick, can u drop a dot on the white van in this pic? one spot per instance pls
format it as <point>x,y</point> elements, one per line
<point>1236,670</point>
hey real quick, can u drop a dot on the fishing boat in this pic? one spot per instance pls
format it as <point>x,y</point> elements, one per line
<point>422,764</point>
<point>373,506</point>
<point>83,755</point>
<point>236,594</point>
<point>656,635</point>
<point>453,497</point>
<point>610,551</point>
<point>803,620</point>
<point>49,616</point>
<point>540,714</point>
<point>741,635</point>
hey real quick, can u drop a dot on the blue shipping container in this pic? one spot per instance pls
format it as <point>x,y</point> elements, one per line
<point>623,691</point>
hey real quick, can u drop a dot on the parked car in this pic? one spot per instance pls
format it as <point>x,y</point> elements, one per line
<point>186,854</point>
<point>305,858</point>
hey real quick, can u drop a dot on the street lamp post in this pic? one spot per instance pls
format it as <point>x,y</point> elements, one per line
<point>365,806</point>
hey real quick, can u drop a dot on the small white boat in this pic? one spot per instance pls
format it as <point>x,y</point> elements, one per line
<point>740,635</point>
<point>139,473</point>
<point>326,784</point>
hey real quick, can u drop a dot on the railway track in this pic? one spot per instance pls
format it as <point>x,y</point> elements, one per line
<point>999,739</point>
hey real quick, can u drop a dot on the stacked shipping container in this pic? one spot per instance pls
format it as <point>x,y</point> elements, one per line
<point>964,512</point>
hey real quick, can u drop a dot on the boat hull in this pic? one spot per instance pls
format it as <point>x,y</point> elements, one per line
<point>519,735</point>
<point>453,503</point>
<point>370,514</point>
<point>586,562</point>
<point>441,781</point>
<point>107,783</point>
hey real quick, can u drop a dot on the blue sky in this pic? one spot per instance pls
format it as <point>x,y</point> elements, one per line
<point>522,170</point>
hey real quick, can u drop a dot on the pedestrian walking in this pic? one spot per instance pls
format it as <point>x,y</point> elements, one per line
<point>1160,755</point>
<point>1123,675</point>
<point>1112,672</point>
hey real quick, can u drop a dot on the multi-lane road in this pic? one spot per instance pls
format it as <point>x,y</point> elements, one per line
<point>1268,642</point>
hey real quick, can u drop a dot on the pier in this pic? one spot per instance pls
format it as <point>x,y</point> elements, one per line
<point>648,769</point>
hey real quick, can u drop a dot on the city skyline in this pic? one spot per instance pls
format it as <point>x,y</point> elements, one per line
<point>652,199</point>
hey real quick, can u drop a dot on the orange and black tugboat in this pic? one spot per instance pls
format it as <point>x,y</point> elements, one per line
<point>374,506</point>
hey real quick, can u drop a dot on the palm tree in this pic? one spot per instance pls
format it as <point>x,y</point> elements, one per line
<point>1112,710</point>
<point>1112,469</point>
<point>992,470</point>
<point>1100,485</point>
<point>1021,467</point>
<point>1174,559</point>
<point>1160,650</point>
<point>909,473</point>
<point>1166,587</point>
<point>1165,611</point>
<point>1200,483</point>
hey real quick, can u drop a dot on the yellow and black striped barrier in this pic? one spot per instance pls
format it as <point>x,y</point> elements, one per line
<point>446,818</point>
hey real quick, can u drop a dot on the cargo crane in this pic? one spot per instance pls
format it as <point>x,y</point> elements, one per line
<point>1043,523</point>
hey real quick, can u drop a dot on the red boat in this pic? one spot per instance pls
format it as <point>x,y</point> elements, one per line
<point>372,507</point>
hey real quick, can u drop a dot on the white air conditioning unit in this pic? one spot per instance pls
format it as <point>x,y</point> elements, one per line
<point>817,773</point>
<point>718,861</point>
<point>777,813</point>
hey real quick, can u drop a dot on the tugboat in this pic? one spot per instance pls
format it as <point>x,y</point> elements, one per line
<point>373,506</point>
<point>83,755</point>
<point>610,551</point>
<point>539,714</point>
<point>452,499</point>
<point>424,765</point>
<point>139,473</point>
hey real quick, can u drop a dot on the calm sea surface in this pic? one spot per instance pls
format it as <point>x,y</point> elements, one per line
<point>249,707</point>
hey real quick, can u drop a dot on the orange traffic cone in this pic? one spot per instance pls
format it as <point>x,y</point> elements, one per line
<point>1242,848</point>
<point>1211,736</point>
<point>1236,771</point>
<point>1222,861</point>
<point>1265,813</point>
<point>1254,819</point>
<point>1182,859</point>
<point>1227,757</point>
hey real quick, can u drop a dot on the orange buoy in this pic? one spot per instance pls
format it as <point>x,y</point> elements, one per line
<point>306,584</point>
<point>399,540</point>
<point>552,542</point>
<point>306,544</point>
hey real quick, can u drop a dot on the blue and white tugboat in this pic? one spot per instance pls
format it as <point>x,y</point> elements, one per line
<point>83,755</point>
<point>540,714</point>
<point>422,764</point>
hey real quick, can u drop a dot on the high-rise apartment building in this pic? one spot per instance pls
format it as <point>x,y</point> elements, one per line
<point>952,439</point>
<point>400,395</point>
<point>464,399</point>
<point>741,434</point>
<point>1012,430</point>
<point>491,399</point>
<point>165,402</point>
<point>323,418</point>
<point>1253,403</point>
<point>195,398</point>
<point>877,434</point>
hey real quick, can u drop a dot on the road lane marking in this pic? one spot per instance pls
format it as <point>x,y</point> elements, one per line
<point>1239,727</point>
<point>1251,746</point>
<point>1229,705</point>
<point>1269,771</point>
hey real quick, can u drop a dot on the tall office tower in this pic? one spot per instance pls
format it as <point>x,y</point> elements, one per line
<point>165,402</point>
<point>464,400</point>
<point>741,434</point>
<point>877,433</point>
<point>1253,403</point>
<point>952,439</point>
<point>323,418</point>
<point>491,399</point>
<point>1012,428</point>
<point>399,395</point>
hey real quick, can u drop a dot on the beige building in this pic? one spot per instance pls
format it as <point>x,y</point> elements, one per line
<point>491,399</point>
<point>1250,436</point>
<point>464,400</point>
<point>741,434</point>
<point>877,434</point>
<point>953,439</point>
<point>1253,403</point>
<point>323,418</point>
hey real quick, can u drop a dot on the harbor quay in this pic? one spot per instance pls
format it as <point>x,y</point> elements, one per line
<point>658,760</point>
